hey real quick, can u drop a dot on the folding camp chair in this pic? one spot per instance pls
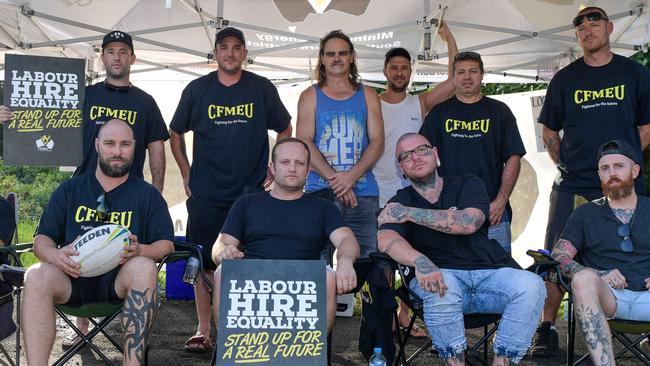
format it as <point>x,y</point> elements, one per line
<point>13,274</point>
<point>620,329</point>
<point>489,323</point>
<point>108,312</point>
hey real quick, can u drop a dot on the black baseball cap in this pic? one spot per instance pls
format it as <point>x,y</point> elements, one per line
<point>617,147</point>
<point>230,32</point>
<point>117,36</point>
<point>397,51</point>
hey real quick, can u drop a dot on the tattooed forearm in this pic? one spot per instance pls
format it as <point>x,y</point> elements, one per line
<point>463,222</point>
<point>137,320</point>
<point>592,322</point>
<point>424,265</point>
<point>552,142</point>
<point>564,252</point>
<point>398,212</point>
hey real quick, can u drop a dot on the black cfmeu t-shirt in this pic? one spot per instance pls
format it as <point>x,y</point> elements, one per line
<point>135,107</point>
<point>475,138</point>
<point>230,126</point>
<point>593,105</point>
<point>7,221</point>
<point>270,228</point>
<point>135,204</point>
<point>451,251</point>
<point>592,229</point>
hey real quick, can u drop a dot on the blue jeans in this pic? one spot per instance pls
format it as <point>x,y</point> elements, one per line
<point>516,294</point>
<point>501,233</point>
<point>362,220</point>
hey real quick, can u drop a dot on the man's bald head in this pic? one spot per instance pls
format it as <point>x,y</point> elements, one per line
<point>117,125</point>
<point>115,148</point>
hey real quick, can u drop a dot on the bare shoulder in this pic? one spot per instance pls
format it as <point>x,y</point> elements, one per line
<point>308,94</point>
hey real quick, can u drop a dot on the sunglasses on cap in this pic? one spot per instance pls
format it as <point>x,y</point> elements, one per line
<point>591,16</point>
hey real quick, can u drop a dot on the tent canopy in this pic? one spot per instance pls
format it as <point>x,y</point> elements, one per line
<point>520,40</point>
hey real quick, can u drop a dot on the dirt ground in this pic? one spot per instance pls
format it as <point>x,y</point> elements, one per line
<point>176,321</point>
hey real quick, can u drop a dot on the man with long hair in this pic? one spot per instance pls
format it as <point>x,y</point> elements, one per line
<point>340,120</point>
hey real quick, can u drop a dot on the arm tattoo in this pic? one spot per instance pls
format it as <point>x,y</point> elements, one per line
<point>603,273</point>
<point>448,221</point>
<point>564,252</point>
<point>390,245</point>
<point>137,320</point>
<point>592,323</point>
<point>424,265</point>
<point>398,212</point>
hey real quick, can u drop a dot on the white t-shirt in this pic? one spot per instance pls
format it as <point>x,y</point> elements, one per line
<point>399,118</point>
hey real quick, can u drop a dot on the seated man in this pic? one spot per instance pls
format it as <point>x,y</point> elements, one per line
<point>443,220</point>
<point>611,237</point>
<point>284,223</point>
<point>119,198</point>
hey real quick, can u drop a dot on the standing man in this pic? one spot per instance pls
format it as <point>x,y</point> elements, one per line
<point>403,113</point>
<point>478,135</point>
<point>438,225</point>
<point>340,120</point>
<point>599,97</point>
<point>229,111</point>
<point>107,195</point>
<point>116,97</point>
<point>256,226</point>
<point>611,237</point>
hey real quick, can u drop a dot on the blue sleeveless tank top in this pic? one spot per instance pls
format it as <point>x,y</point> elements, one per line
<point>342,137</point>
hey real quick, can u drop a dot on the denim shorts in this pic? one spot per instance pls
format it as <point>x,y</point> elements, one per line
<point>632,305</point>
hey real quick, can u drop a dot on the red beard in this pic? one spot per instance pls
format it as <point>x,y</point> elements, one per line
<point>621,190</point>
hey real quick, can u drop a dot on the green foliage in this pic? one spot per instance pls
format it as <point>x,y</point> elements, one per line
<point>500,88</point>
<point>33,185</point>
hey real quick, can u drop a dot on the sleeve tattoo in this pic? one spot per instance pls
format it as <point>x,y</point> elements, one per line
<point>564,252</point>
<point>448,221</point>
<point>424,265</point>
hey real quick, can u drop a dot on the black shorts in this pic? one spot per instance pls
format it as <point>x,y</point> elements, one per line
<point>94,289</point>
<point>560,209</point>
<point>204,223</point>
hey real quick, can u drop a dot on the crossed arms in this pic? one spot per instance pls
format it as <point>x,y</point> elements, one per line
<point>455,222</point>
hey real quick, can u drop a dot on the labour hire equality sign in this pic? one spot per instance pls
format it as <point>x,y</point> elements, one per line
<point>272,312</point>
<point>46,95</point>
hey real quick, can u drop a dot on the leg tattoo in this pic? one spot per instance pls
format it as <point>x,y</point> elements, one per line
<point>137,320</point>
<point>594,330</point>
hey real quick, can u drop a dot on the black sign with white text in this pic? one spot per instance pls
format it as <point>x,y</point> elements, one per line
<point>46,95</point>
<point>272,312</point>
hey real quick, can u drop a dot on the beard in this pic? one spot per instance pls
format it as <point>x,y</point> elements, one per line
<point>114,171</point>
<point>397,88</point>
<point>622,190</point>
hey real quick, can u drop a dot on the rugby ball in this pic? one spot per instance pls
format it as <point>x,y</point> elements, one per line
<point>99,249</point>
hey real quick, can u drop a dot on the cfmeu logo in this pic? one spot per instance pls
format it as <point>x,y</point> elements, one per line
<point>44,143</point>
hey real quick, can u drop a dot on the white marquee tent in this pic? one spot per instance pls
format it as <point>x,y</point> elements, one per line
<point>525,40</point>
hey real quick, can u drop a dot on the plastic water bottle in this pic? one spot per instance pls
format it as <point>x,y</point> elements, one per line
<point>191,270</point>
<point>377,359</point>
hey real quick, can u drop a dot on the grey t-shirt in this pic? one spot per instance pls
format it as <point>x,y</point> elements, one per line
<point>592,229</point>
